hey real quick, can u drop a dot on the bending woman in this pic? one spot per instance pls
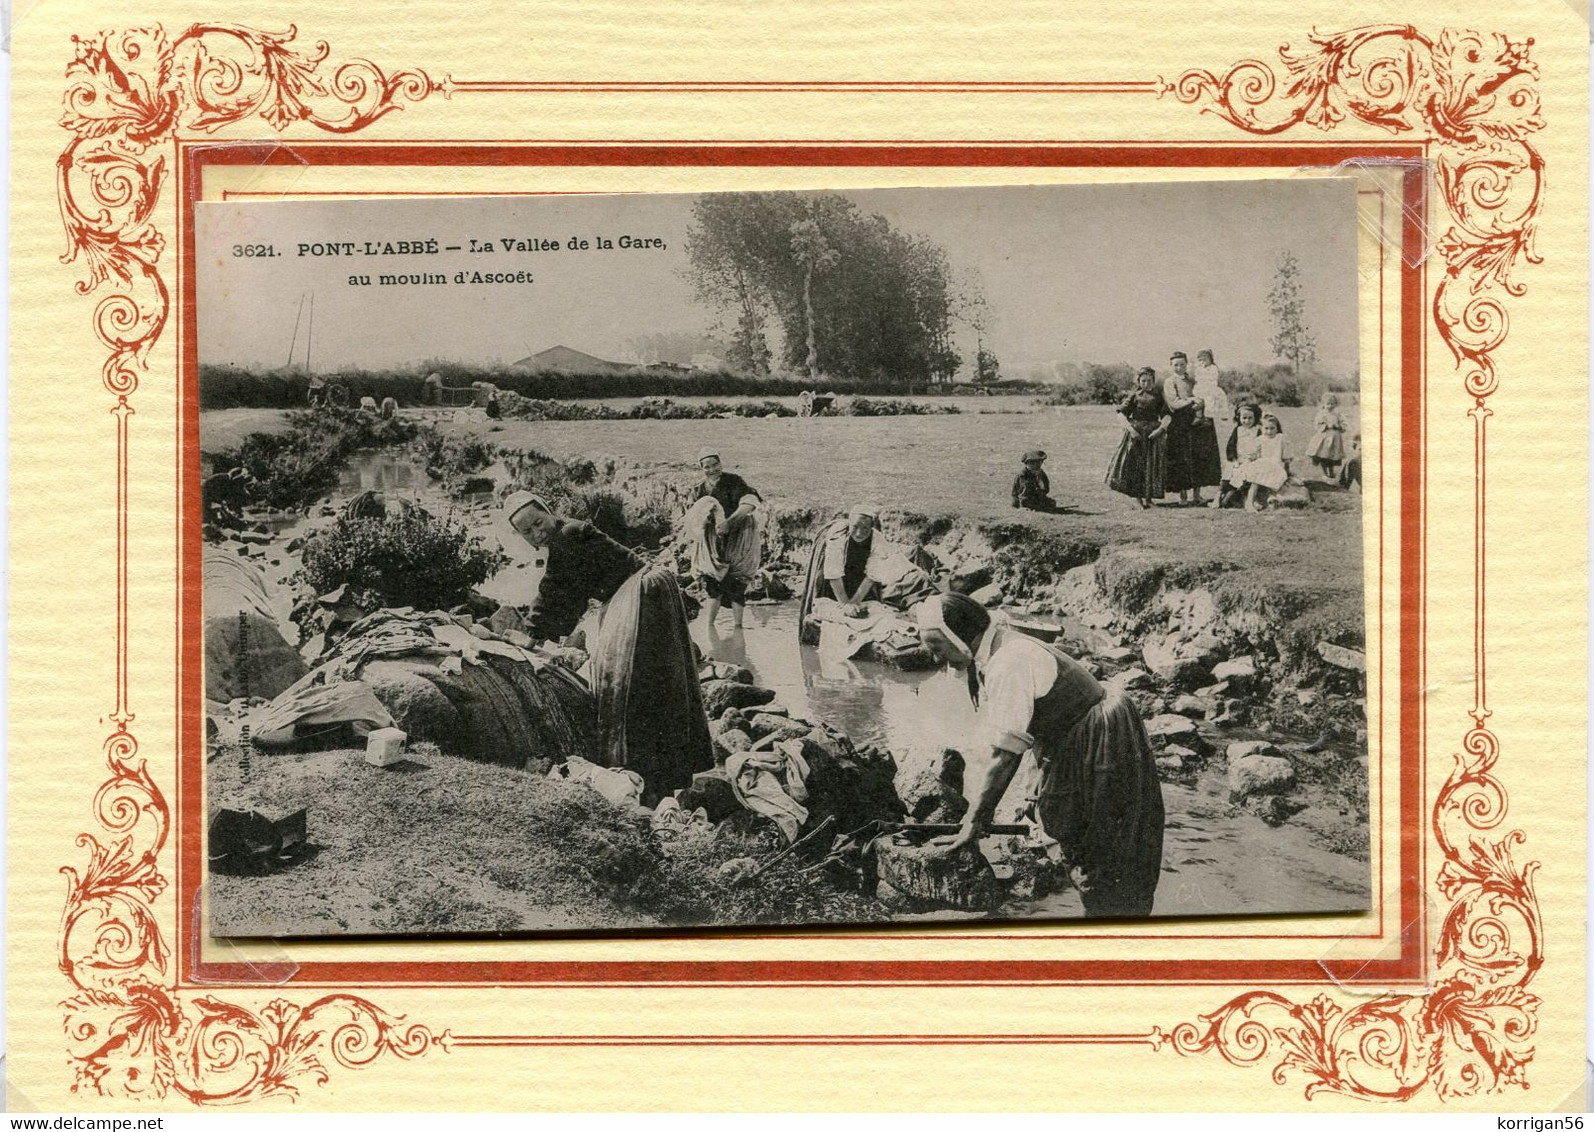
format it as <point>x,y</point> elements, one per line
<point>1099,794</point>
<point>853,563</point>
<point>644,674</point>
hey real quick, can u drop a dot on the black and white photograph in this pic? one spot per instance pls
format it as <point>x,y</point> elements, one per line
<point>585,563</point>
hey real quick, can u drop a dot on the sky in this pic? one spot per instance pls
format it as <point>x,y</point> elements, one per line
<point>1072,273</point>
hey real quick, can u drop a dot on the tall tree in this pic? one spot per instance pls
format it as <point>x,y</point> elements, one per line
<point>813,254</point>
<point>1291,341</point>
<point>976,312</point>
<point>726,271</point>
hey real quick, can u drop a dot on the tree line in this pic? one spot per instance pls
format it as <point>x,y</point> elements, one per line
<point>849,295</point>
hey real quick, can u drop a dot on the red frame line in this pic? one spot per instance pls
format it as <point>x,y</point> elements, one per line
<point>866,933</point>
<point>1152,1038</point>
<point>450,86</point>
<point>194,158</point>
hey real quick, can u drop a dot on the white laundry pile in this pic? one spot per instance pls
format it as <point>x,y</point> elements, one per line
<point>772,783</point>
<point>841,636</point>
<point>622,787</point>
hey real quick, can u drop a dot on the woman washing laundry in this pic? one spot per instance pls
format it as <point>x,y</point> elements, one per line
<point>644,674</point>
<point>853,562</point>
<point>736,531</point>
<point>1099,795</point>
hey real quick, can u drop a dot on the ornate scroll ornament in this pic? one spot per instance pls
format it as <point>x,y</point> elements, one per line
<point>130,1032</point>
<point>1474,95</point>
<point>131,92</point>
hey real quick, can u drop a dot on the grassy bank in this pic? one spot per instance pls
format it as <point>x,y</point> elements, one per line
<point>521,852</point>
<point>937,472</point>
<point>960,468</point>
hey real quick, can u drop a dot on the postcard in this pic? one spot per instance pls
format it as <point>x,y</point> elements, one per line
<point>827,557</point>
<point>843,643</point>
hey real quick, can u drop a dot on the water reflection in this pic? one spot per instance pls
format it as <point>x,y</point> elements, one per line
<point>912,714</point>
<point>377,470</point>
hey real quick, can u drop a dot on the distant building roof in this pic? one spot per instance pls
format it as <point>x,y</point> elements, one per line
<point>565,359</point>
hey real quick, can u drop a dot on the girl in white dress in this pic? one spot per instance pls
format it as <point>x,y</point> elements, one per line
<point>1244,445</point>
<point>1327,449</point>
<point>1265,472</point>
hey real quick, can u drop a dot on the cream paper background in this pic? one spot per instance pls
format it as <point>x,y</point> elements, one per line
<point>63,543</point>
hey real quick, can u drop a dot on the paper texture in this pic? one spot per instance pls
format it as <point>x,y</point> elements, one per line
<point>1472,147</point>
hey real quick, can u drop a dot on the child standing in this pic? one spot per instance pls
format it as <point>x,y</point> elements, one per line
<point>1327,449</point>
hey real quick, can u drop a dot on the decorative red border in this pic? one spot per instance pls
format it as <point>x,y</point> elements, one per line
<point>1470,98</point>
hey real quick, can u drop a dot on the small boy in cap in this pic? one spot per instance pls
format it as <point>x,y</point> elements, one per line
<point>1031,489</point>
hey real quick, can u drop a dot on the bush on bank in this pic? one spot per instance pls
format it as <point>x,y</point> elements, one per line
<point>411,557</point>
<point>290,469</point>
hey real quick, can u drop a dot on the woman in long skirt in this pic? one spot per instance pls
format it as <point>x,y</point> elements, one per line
<point>1213,415</point>
<point>1099,795</point>
<point>1178,391</point>
<point>1193,458</point>
<point>644,676</point>
<point>1137,468</point>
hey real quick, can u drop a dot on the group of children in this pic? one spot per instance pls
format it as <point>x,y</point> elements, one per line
<point>1254,469</point>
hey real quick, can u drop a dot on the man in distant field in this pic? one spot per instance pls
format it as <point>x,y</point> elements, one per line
<point>737,534</point>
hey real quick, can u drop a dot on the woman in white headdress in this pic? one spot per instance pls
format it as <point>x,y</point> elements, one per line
<point>737,534</point>
<point>1099,795</point>
<point>852,562</point>
<point>644,673</point>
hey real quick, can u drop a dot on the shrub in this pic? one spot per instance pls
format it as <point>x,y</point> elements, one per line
<point>1095,385</point>
<point>1107,385</point>
<point>410,558</point>
<point>864,407</point>
<point>531,409</point>
<point>749,409</point>
<point>1277,385</point>
<point>444,459</point>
